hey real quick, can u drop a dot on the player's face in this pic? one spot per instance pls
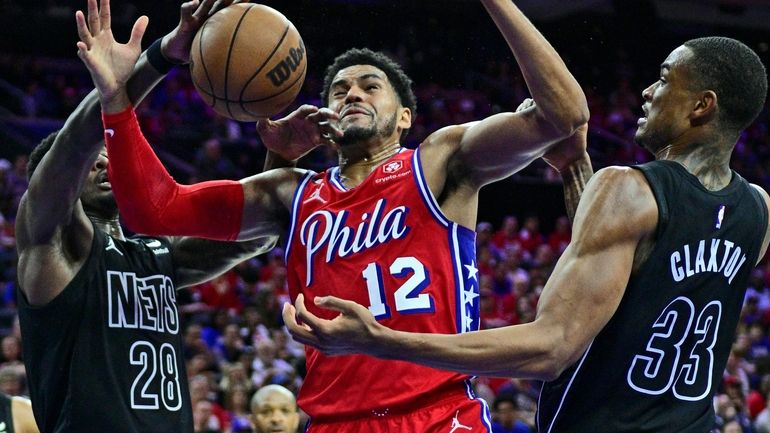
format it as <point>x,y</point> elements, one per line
<point>667,103</point>
<point>368,105</point>
<point>276,414</point>
<point>97,197</point>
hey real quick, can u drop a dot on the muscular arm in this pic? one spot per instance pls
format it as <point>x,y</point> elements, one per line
<point>152,202</point>
<point>198,260</point>
<point>52,228</point>
<point>502,144</point>
<point>617,211</point>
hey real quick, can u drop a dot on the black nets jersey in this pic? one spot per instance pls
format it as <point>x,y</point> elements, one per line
<point>6,414</point>
<point>656,364</point>
<point>105,355</point>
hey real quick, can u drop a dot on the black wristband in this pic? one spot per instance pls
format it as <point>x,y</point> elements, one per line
<point>157,59</point>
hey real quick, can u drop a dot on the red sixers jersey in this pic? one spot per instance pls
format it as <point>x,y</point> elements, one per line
<point>386,245</point>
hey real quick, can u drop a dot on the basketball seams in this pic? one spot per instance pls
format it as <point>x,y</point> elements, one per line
<point>228,68</point>
<point>205,69</point>
<point>230,53</point>
<point>272,53</point>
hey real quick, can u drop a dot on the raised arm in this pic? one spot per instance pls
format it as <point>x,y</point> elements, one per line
<point>502,144</point>
<point>616,212</point>
<point>50,207</point>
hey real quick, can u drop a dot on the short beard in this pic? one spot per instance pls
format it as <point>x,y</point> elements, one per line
<point>103,207</point>
<point>357,134</point>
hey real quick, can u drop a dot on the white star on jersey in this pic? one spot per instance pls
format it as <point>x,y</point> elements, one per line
<point>468,297</point>
<point>472,270</point>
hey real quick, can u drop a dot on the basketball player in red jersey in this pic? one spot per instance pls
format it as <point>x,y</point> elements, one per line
<point>387,228</point>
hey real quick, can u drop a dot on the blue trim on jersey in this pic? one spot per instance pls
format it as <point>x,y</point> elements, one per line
<point>334,178</point>
<point>307,425</point>
<point>294,210</point>
<point>486,416</point>
<point>564,396</point>
<point>462,243</point>
<point>459,286</point>
<point>425,193</point>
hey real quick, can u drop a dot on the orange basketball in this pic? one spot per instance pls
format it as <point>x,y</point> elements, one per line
<point>248,62</point>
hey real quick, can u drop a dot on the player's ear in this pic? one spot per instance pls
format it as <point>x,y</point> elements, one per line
<point>705,108</point>
<point>404,118</point>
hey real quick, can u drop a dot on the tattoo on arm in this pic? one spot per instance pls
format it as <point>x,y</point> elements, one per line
<point>575,178</point>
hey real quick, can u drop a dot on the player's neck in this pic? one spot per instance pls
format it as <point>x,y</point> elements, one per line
<point>357,162</point>
<point>110,226</point>
<point>708,161</point>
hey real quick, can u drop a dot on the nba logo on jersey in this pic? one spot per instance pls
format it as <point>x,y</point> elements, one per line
<point>720,216</point>
<point>392,167</point>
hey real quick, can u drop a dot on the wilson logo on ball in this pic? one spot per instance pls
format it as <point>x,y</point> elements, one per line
<point>279,74</point>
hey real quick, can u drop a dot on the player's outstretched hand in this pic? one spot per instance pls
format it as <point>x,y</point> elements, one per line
<point>109,62</point>
<point>176,45</point>
<point>300,132</point>
<point>353,331</point>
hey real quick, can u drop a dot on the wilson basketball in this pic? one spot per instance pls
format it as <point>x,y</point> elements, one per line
<point>248,62</point>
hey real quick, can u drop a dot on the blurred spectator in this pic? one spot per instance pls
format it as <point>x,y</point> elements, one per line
<point>204,420</point>
<point>506,417</point>
<point>561,236</point>
<point>274,410</point>
<point>211,163</point>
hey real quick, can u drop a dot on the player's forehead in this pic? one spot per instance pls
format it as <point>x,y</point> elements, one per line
<point>676,58</point>
<point>358,73</point>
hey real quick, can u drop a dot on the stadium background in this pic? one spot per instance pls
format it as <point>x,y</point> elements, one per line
<point>462,71</point>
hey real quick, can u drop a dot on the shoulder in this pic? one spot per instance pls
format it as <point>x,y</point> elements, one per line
<point>762,193</point>
<point>280,182</point>
<point>446,139</point>
<point>617,202</point>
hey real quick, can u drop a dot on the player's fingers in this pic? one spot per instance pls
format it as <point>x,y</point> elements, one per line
<point>82,50</point>
<point>526,103</point>
<point>301,333</point>
<point>289,314</point>
<point>305,111</point>
<point>105,17</point>
<point>336,304</point>
<point>138,31</point>
<point>189,9</point>
<point>93,17</point>
<point>83,33</point>
<point>313,321</point>
<point>202,8</point>
<point>216,6</point>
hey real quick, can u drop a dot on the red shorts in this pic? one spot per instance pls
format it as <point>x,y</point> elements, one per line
<point>460,415</point>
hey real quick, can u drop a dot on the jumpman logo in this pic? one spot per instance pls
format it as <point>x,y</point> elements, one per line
<point>316,195</point>
<point>110,246</point>
<point>456,424</point>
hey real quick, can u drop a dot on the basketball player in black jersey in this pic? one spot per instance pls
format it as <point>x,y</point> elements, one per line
<point>16,415</point>
<point>635,325</point>
<point>102,342</point>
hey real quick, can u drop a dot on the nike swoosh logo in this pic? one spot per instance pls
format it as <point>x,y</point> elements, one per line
<point>110,132</point>
<point>153,244</point>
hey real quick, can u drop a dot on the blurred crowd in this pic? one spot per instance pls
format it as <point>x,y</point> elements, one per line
<point>234,339</point>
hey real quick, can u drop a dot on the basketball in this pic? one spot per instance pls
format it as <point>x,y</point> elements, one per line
<point>248,62</point>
